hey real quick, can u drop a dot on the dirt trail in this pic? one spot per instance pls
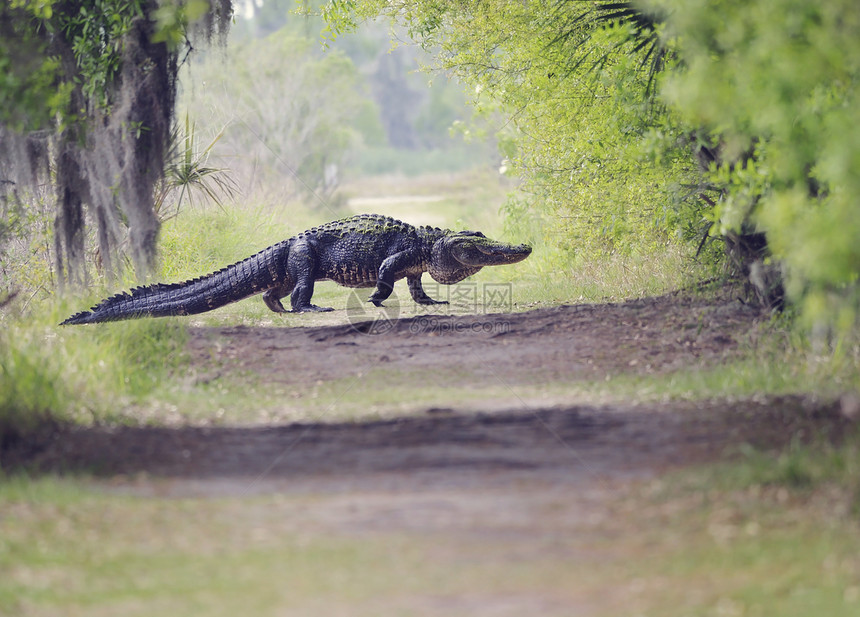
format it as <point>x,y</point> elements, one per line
<point>653,335</point>
<point>451,446</point>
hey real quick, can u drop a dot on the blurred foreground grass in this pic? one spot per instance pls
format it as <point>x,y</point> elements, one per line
<point>679,546</point>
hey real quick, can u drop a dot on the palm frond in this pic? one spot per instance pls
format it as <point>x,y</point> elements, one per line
<point>643,36</point>
<point>186,173</point>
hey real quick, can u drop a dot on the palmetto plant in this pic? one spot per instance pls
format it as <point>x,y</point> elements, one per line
<point>642,40</point>
<point>187,173</point>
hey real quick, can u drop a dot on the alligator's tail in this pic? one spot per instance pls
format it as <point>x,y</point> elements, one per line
<point>245,278</point>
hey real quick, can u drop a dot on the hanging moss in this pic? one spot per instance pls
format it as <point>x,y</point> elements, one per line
<point>97,108</point>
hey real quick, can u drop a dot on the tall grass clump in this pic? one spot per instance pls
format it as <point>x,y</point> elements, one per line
<point>32,391</point>
<point>52,375</point>
<point>125,361</point>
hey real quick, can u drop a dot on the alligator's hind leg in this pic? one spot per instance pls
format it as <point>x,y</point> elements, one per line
<point>272,297</point>
<point>301,298</point>
<point>302,268</point>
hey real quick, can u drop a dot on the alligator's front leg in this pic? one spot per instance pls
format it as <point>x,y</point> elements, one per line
<point>418,293</point>
<point>302,268</point>
<point>388,273</point>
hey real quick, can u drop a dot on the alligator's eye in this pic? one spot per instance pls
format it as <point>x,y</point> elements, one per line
<point>480,235</point>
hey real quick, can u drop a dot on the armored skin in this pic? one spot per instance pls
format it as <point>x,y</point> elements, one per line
<point>367,250</point>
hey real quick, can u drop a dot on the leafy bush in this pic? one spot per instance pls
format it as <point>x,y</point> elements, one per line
<point>569,106</point>
<point>779,78</point>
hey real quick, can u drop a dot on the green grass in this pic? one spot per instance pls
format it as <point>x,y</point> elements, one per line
<point>802,470</point>
<point>34,392</point>
<point>770,533</point>
<point>90,553</point>
<point>550,277</point>
<point>50,374</point>
<point>745,569</point>
<point>201,240</point>
<point>753,374</point>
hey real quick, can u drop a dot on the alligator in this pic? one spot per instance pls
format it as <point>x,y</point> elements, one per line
<point>368,250</point>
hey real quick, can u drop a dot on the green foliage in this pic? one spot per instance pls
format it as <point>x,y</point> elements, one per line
<point>96,33</point>
<point>568,100</point>
<point>49,376</point>
<point>781,77</point>
<point>30,96</point>
<point>36,87</point>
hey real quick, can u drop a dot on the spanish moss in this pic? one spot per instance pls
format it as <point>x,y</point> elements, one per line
<point>110,72</point>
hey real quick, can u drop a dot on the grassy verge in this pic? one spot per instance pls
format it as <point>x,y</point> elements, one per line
<point>551,279</point>
<point>51,375</point>
<point>767,534</point>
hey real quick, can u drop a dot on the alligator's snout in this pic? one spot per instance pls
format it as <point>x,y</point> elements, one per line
<point>507,249</point>
<point>490,253</point>
<point>518,252</point>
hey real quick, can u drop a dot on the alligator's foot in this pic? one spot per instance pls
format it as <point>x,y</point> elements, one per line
<point>376,302</point>
<point>274,303</point>
<point>311,308</point>
<point>431,301</point>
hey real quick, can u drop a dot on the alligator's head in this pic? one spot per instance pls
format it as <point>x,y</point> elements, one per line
<point>458,255</point>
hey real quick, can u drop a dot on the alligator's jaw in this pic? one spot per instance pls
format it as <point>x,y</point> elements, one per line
<point>477,252</point>
<point>501,254</point>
